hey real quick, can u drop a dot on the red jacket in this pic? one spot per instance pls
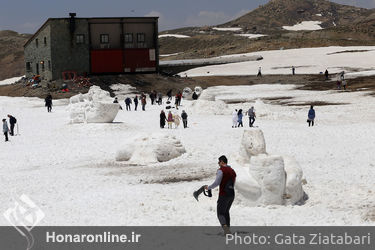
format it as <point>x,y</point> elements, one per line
<point>227,182</point>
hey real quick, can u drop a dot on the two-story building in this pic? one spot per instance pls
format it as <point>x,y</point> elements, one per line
<point>93,46</point>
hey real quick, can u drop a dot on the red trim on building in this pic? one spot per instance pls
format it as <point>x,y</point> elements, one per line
<point>107,61</point>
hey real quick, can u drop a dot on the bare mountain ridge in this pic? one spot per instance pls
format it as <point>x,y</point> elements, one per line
<point>11,54</point>
<point>278,13</point>
<point>343,25</point>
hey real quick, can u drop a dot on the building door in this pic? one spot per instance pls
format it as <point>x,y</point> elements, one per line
<point>37,68</point>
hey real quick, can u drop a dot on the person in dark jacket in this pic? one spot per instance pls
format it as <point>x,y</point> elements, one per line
<point>163,118</point>
<point>48,103</point>
<point>143,101</point>
<point>225,179</point>
<point>240,115</point>
<point>152,97</point>
<point>169,94</point>
<point>194,96</point>
<point>128,101</point>
<point>5,129</point>
<point>311,116</point>
<point>184,117</point>
<point>135,103</point>
<point>12,122</point>
<point>326,74</point>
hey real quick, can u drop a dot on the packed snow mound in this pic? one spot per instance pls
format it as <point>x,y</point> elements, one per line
<point>151,149</point>
<point>252,143</point>
<point>267,179</point>
<point>208,107</point>
<point>96,106</point>
<point>268,171</point>
<point>187,92</point>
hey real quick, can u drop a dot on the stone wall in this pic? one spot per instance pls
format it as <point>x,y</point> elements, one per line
<point>38,55</point>
<point>67,54</point>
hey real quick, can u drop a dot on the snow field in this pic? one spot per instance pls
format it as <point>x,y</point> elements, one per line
<point>70,170</point>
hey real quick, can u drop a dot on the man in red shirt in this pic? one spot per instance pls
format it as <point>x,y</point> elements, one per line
<point>225,179</point>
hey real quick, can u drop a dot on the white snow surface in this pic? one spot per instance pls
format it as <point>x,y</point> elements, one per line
<point>174,35</point>
<point>10,80</point>
<point>70,171</point>
<point>354,59</point>
<point>227,29</point>
<point>305,25</point>
<point>250,36</point>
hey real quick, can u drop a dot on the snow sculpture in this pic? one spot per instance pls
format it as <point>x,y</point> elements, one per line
<point>267,179</point>
<point>252,143</point>
<point>94,107</point>
<point>198,90</point>
<point>187,93</point>
<point>151,149</point>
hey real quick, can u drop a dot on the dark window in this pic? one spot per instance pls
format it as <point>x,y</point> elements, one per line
<point>45,41</point>
<point>28,66</point>
<point>104,38</point>
<point>42,63</point>
<point>80,39</point>
<point>128,37</point>
<point>141,39</point>
<point>36,42</point>
<point>49,65</point>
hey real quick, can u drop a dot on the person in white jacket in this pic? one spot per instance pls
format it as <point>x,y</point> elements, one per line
<point>234,119</point>
<point>5,129</point>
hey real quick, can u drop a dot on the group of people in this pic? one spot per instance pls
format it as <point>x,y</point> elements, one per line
<point>6,130</point>
<point>237,117</point>
<point>173,118</point>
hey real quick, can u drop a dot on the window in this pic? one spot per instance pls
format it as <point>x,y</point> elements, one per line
<point>45,41</point>
<point>80,39</point>
<point>49,65</point>
<point>36,42</point>
<point>128,39</point>
<point>28,66</point>
<point>141,39</point>
<point>42,63</point>
<point>104,38</point>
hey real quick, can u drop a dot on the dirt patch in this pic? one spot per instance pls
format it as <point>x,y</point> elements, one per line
<point>315,103</point>
<point>160,83</point>
<point>347,51</point>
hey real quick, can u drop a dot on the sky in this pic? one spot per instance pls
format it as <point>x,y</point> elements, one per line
<point>26,16</point>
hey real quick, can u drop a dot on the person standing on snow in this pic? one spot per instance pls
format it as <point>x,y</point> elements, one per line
<point>163,118</point>
<point>12,122</point>
<point>48,103</point>
<point>234,119</point>
<point>326,74</point>
<point>225,179</point>
<point>5,129</point>
<point>239,115</point>
<point>135,102</point>
<point>251,114</point>
<point>128,101</point>
<point>311,116</point>
<point>184,117</point>
<point>259,72</point>
<point>143,102</point>
<point>170,119</point>
<point>293,70</point>
<point>169,94</point>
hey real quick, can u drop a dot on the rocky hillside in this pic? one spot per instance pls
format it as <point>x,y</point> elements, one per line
<point>11,54</point>
<point>341,25</point>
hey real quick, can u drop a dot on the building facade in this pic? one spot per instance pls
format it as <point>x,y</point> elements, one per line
<point>93,46</point>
